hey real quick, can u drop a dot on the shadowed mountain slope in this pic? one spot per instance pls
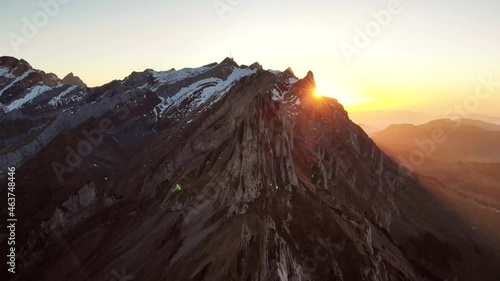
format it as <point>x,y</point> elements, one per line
<point>223,172</point>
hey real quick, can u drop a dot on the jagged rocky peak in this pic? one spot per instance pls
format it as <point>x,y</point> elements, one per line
<point>306,85</point>
<point>71,79</point>
<point>309,79</point>
<point>16,66</point>
<point>208,65</point>
<point>289,71</point>
<point>255,65</point>
<point>310,75</point>
<point>229,61</point>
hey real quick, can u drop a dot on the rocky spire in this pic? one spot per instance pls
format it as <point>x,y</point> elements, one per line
<point>71,79</point>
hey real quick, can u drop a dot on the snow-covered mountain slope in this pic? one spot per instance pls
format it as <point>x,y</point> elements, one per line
<point>223,172</point>
<point>49,106</point>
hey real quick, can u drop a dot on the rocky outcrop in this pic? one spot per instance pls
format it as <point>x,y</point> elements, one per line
<point>17,67</point>
<point>71,79</point>
<point>71,213</point>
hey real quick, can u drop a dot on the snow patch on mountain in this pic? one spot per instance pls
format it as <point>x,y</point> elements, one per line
<point>160,109</point>
<point>200,92</point>
<point>277,94</point>
<point>173,76</point>
<point>55,100</point>
<point>33,93</point>
<point>18,79</point>
<point>218,91</point>
<point>3,108</point>
<point>6,72</point>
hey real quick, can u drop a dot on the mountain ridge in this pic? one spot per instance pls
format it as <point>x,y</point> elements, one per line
<point>267,171</point>
<point>466,140</point>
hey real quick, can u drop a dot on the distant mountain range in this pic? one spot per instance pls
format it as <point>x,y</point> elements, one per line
<point>369,130</point>
<point>379,120</point>
<point>456,124</point>
<point>466,140</point>
<point>463,170</point>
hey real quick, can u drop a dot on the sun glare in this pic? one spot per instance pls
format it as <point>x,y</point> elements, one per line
<point>344,98</point>
<point>325,92</point>
<point>316,93</point>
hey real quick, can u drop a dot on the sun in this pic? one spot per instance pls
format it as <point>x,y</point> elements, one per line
<point>344,98</point>
<point>320,92</point>
<point>316,93</point>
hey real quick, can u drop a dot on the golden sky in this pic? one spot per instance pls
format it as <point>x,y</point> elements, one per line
<point>420,55</point>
